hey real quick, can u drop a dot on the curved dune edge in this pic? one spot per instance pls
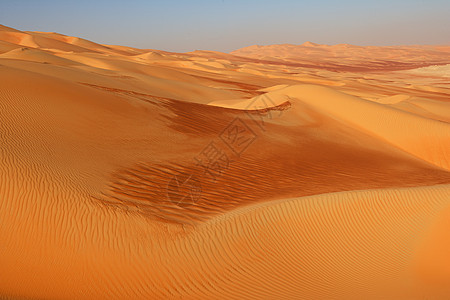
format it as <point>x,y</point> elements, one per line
<point>425,138</point>
<point>371,244</point>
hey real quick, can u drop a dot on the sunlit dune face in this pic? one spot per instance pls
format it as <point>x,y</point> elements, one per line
<point>273,172</point>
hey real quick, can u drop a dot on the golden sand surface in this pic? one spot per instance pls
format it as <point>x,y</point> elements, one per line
<point>273,172</point>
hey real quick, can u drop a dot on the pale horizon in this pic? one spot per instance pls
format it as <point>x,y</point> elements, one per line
<point>225,26</point>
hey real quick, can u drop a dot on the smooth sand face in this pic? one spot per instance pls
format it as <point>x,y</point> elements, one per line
<point>278,172</point>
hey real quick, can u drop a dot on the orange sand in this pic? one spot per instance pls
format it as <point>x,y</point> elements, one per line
<point>338,186</point>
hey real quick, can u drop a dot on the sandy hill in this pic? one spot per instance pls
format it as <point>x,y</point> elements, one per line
<point>352,58</point>
<point>273,172</point>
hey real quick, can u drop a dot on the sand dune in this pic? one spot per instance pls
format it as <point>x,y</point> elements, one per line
<point>151,55</point>
<point>5,46</point>
<point>430,139</point>
<point>351,58</point>
<point>438,71</point>
<point>35,55</point>
<point>143,174</point>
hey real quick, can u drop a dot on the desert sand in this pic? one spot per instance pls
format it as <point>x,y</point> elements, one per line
<point>272,172</point>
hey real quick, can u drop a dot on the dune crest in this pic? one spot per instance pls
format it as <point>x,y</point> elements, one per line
<point>424,138</point>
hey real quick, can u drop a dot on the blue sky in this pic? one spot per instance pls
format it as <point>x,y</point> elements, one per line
<point>226,25</point>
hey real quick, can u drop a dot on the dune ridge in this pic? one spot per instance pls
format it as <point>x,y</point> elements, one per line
<point>431,138</point>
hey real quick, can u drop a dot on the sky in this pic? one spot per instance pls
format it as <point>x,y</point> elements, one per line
<point>226,25</point>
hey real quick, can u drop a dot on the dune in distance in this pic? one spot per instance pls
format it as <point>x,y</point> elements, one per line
<point>272,172</point>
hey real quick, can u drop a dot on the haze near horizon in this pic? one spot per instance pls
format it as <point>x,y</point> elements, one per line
<point>182,26</point>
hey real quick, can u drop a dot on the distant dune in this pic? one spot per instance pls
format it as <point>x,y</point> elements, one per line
<point>345,57</point>
<point>273,172</point>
